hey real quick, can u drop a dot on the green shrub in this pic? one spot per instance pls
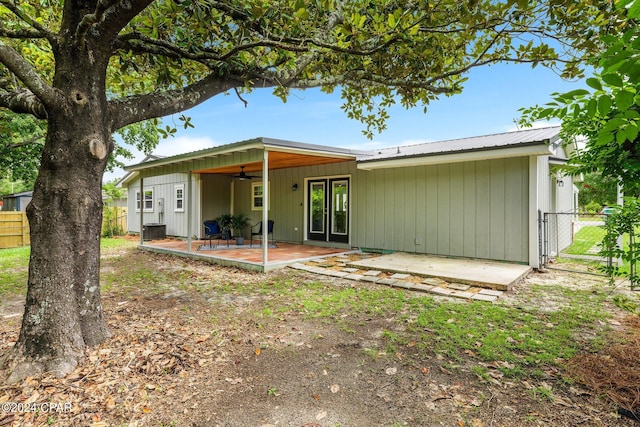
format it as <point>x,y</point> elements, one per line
<point>593,207</point>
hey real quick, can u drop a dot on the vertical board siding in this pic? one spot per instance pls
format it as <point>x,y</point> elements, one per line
<point>431,214</point>
<point>287,206</point>
<point>456,214</point>
<point>482,211</point>
<point>164,187</point>
<point>498,209</point>
<point>473,209</point>
<point>408,191</point>
<point>443,208</point>
<point>469,231</point>
<point>420,209</point>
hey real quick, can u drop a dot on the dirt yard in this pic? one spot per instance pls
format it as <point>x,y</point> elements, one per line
<point>208,354</point>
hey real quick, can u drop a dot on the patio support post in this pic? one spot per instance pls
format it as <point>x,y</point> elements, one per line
<point>141,209</point>
<point>265,208</point>
<point>189,209</point>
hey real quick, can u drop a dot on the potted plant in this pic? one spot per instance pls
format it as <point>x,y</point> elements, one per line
<point>225,221</point>
<point>239,222</point>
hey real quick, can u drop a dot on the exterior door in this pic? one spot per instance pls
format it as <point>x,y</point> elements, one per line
<point>328,216</point>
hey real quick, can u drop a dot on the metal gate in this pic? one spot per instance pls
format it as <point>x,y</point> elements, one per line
<point>572,241</point>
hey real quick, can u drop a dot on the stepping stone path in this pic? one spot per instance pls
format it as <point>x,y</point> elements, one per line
<point>339,267</point>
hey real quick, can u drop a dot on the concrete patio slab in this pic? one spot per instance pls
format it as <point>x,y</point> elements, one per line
<point>481,273</point>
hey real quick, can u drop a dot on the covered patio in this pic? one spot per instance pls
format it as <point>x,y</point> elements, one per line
<point>183,191</point>
<point>249,258</point>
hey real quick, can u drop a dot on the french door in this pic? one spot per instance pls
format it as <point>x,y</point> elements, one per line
<point>328,210</point>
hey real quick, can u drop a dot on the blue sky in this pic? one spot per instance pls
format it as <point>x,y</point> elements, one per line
<point>488,104</point>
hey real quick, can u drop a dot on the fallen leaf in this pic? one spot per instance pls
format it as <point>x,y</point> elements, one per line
<point>257,351</point>
<point>425,370</point>
<point>391,371</point>
<point>110,403</point>
<point>562,401</point>
<point>203,338</point>
<point>321,415</point>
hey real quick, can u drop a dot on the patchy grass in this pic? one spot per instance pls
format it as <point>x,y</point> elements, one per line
<point>586,239</point>
<point>258,335</point>
<point>14,265</point>
<point>523,338</point>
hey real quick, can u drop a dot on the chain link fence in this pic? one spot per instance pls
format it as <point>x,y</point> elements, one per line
<point>572,241</point>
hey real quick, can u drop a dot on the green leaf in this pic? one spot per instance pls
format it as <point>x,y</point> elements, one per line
<point>621,137</point>
<point>594,83</point>
<point>634,10</point>
<point>576,93</point>
<point>624,99</point>
<point>631,132</point>
<point>612,79</point>
<point>604,104</point>
<point>391,21</point>
<point>592,108</point>
<point>604,138</point>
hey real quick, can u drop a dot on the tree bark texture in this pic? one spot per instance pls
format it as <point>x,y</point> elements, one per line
<point>63,311</point>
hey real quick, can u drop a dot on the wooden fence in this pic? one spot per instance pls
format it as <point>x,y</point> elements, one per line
<point>114,221</point>
<point>14,227</point>
<point>14,230</point>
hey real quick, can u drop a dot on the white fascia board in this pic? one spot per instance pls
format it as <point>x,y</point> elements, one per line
<point>311,152</point>
<point>187,157</point>
<point>468,156</point>
<point>130,177</point>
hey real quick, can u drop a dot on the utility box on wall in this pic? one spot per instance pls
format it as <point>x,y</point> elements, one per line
<point>154,231</point>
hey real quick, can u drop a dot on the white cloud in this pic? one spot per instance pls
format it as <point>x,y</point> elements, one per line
<point>166,147</point>
<point>183,144</point>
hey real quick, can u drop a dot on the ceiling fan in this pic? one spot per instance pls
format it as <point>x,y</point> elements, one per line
<point>243,175</point>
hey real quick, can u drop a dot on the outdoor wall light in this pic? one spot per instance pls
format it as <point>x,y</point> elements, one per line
<point>294,187</point>
<point>560,183</point>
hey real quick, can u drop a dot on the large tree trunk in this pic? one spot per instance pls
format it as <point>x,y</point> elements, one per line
<point>63,311</point>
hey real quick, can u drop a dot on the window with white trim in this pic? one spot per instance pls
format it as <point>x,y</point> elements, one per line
<point>179,198</point>
<point>148,200</point>
<point>257,196</point>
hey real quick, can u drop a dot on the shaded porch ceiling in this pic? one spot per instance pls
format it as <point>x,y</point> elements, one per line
<point>277,160</point>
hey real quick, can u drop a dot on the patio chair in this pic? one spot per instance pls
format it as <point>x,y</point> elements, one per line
<point>258,225</point>
<point>212,231</point>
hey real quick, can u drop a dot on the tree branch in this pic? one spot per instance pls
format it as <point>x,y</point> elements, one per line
<point>23,102</point>
<point>28,75</point>
<point>21,34</point>
<point>111,16</point>
<point>34,139</point>
<point>143,107</point>
<point>40,30</point>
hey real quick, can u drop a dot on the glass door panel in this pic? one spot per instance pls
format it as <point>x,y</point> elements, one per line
<point>339,208</point>
<point>328,214</point>
<point>317,210</point>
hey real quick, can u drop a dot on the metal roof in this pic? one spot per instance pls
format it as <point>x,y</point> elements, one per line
<point>547,135</point>
<point>258,143</point>
<point>523,138</point>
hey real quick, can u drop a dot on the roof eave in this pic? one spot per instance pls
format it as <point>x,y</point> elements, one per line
<point>537,149</point>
